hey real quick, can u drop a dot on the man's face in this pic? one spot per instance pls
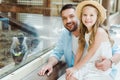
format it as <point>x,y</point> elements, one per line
<point>69,19</point>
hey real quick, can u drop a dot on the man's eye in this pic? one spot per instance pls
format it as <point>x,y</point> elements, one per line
<point>84,15</point>
<point>63,18</point>
<point>91,15</point>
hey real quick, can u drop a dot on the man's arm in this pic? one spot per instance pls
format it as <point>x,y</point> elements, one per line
<point>48,68</point>
<point>52,61</point>
<point>54,58</point>
<point>106,63</point>
<point>116,58</point>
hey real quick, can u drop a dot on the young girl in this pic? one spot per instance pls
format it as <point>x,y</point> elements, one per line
<point>94,42</point>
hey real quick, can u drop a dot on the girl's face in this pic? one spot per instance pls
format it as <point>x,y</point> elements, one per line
<point>89,16</point>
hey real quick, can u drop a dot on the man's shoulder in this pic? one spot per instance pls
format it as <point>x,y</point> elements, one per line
<point>65,31</point>
<point>65,35</point>
<point>116,48</point>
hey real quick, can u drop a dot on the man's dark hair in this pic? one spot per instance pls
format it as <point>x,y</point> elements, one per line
<point>67,6</point>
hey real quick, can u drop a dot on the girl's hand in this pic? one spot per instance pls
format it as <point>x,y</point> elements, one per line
<point>69,72</point>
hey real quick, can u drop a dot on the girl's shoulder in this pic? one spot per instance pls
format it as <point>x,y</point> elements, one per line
<point>101,31</point>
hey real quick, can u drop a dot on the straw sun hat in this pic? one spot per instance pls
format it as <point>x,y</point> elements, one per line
<point>98,6</point>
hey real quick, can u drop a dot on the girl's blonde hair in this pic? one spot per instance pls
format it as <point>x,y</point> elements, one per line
<point>83,29</point>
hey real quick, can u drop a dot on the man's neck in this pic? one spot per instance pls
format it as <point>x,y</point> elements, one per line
<point>76,33</point>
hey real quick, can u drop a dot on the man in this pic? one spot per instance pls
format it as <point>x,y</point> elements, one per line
<point>63,46</point>
<point>68,43</point>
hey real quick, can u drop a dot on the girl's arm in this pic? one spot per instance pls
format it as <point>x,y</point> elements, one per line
<point>100,36</point>
<point>78,56</point>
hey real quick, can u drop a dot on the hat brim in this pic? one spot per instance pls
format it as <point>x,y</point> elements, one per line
<point>98,6</point>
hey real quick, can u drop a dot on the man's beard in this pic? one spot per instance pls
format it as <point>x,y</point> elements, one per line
<point>74,28</point>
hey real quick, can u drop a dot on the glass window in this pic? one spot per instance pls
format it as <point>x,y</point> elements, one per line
<point>28,29</point>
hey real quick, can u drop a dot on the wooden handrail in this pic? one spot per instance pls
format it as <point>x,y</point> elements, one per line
<point>58,70</point>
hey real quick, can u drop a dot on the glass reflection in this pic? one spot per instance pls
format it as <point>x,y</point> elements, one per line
<point>27,35</point>
<point>18,48</point>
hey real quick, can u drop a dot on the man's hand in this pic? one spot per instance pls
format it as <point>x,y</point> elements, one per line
<point>104,64</point>
<point>47,69</point>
